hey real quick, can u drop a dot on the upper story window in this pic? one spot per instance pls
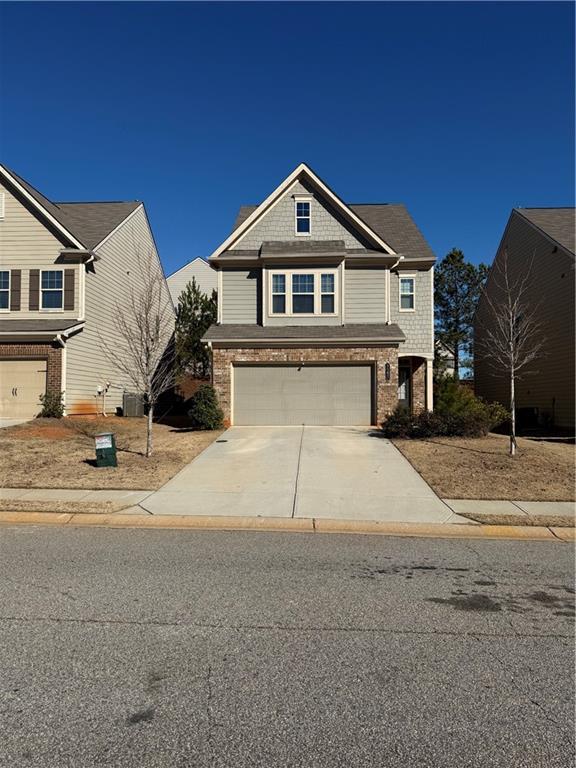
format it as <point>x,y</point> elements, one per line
<point>302,292</point>
<point>279,294</point>
<point>302,217</point>
<point>52,289</point>
<point>407,291</point>
<point>4,290</point>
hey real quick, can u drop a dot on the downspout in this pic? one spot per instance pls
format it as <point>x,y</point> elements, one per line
<point>388,312</point>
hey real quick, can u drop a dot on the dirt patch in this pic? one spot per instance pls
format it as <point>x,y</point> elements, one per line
<point>480,468</point>
<point>51,453</point>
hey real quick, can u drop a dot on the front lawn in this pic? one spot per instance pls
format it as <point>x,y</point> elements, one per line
<point>52,453</point>
<point>480,468</point>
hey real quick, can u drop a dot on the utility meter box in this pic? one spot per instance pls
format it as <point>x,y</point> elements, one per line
<point>105,450</point>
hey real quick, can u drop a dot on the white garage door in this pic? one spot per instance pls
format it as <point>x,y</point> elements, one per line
<point>21,384</point>
<point>302,394</point>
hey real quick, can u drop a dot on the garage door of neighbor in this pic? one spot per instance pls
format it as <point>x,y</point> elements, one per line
<point>21,384</point>
<point>302,394</point>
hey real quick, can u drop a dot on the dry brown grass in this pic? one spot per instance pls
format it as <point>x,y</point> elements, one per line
<point>68,507</point>
<point>47,453</point>
<point>480,468</point>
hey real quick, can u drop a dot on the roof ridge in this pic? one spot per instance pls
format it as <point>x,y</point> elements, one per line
<point>96,202</point>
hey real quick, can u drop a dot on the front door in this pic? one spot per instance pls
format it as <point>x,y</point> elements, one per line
<point>404,394</point>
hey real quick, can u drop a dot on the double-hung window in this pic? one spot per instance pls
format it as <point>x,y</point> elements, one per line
<point>298,292</point>
<point>279,294</point>
<point>4,290</point>
<point>302,217</point>
<point>52,289</point>
<point>407,294</point>
<point>327,294</point>
<point>303,294</point>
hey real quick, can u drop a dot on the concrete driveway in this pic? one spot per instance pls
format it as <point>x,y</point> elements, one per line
<point>322,472</point>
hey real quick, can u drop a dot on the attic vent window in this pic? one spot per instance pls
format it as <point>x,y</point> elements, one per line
<point>302,217</point>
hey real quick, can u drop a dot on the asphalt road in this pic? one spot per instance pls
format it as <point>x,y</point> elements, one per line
<point>174,648</point>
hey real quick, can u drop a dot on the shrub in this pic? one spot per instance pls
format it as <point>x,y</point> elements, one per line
<point>204,412</point>
<point>458,413</point>
<point>52,405</point>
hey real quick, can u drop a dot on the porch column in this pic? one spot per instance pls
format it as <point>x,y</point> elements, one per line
<point>429,385</point>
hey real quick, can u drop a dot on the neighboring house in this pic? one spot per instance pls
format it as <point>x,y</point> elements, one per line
<point>200,270</point>
<point>64,269</point>
<point>325,310</point>
<point>446,355</point>
<point>540,240</point>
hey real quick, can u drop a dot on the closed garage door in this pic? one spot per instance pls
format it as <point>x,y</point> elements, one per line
<point>21,384</point>
<point>307,394</point>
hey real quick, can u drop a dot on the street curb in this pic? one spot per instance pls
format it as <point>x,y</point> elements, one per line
<point>294,525</point>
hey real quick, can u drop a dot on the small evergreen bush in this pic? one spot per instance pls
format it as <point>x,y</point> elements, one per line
<point>457,413</point>
<point>52,405</point>
<point>204,412</point>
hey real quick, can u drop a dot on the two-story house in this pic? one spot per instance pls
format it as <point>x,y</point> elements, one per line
<point>65,268</point>
<point>325,310</point>
<point>539,246</point>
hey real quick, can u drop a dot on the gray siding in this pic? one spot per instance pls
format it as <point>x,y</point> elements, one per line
<point>117,272</point>
<point>279,223</point>
<point>365,298</point>
<point>417,325</point>
<point>206,278</point>
<point>25,244</point>
<point>551,385</point>
<point>241,292</point>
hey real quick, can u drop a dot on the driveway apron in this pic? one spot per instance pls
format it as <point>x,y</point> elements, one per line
<point>344,473</point>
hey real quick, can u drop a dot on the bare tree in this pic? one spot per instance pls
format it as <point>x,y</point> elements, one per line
<point>514,337</point>
<point>142,349</point>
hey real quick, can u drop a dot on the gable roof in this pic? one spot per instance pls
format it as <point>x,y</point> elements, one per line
<point>390,220</point>
<point>189,264</point>
<point>85,224</point>
<point>558,223</point>
<point>304,172</point>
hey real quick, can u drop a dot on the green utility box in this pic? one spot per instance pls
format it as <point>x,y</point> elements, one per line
<point>105,450</point>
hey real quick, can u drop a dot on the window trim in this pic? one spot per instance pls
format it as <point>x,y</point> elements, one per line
<point>41,289</point>
<point>7,290</point>
<point>302,199</point>
<point>407,276</point>
<point>317,272</point>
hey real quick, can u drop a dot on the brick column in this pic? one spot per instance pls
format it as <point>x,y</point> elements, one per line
<point>418,384</point>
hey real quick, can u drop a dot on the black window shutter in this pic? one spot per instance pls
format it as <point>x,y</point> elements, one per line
<point>68,289</point>
<point>15,283</point>
<point>34,291</point>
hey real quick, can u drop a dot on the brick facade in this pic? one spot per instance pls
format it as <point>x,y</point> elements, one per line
<point>386,391</point>
<point>37,351</point>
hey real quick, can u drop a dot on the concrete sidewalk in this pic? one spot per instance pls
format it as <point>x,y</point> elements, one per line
<point>129,498</point>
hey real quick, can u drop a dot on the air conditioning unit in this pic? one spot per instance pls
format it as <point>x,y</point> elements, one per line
<point>132,405</point>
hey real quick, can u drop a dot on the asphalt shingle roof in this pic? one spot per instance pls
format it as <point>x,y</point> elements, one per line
<point>391,221</point>
<point>361,331</point>
<point>557,223</point>
<point>15,325</point>
<point>88,222</point>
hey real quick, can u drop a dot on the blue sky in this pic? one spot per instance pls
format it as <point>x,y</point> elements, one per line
<point>460,110</point>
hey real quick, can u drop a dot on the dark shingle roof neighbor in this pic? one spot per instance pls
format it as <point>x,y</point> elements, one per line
<point>391,221</point>
<point>362,332</point>
<point>90,223</point>
<point>38,325</point>
<point>557,223</point>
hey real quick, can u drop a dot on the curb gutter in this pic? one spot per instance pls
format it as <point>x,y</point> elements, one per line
<point>294,525</point>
